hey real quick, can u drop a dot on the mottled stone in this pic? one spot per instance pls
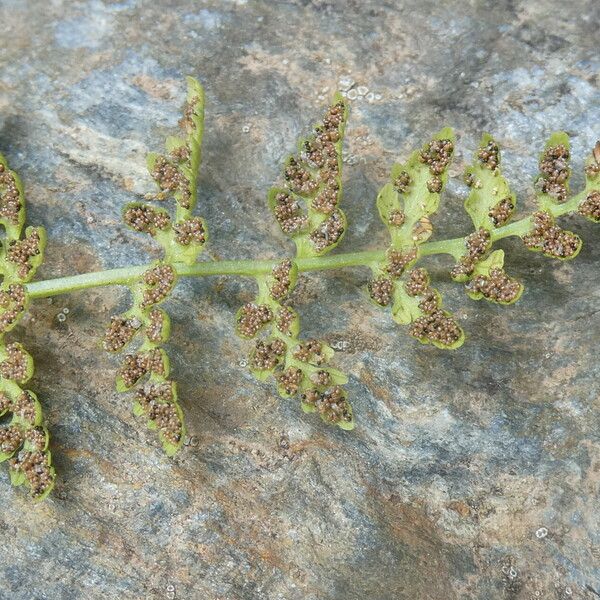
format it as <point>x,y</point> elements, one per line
<point>471,474</point>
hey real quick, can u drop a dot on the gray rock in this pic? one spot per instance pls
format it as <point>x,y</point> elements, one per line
<point>471,474</point>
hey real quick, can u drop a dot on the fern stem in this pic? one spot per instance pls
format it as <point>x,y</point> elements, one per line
<point>251,268</point>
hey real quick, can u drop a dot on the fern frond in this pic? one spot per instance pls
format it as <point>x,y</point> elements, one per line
<point>553,189</point>
<point>24,442</point>
<point>490,205</point>
<point>590,206</point>
<point>182,236</point>
<point>405,204</point>
<point>307,207</point>
<point>307,210</point>
<point>300,367</point>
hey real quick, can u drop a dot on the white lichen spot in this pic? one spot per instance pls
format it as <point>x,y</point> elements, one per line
<point>541,533</point>
<point>346,82</point>
<point>349,159</point>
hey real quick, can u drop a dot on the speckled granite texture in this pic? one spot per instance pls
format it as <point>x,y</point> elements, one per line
<point>471,475</point>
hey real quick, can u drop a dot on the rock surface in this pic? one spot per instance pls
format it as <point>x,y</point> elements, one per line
<point>471,474</point>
